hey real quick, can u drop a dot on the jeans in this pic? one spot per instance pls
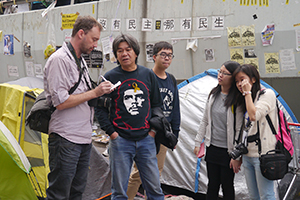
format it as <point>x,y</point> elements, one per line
<point>135,180</point>
<point>122,152</point>
<point>259,187</point>
<point>69,164</point>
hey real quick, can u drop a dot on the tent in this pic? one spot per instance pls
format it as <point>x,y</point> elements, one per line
<point>17,97</point>
<point>181,164</point>
<point>14,169</point>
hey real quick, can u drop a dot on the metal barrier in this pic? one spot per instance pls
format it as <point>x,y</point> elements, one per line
<point>295,131</point>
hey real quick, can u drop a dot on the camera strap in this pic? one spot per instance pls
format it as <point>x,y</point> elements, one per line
<point>255,138</point>
<point>78,62</point>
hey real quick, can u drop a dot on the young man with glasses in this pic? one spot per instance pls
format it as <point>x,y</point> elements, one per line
<point>162,56</point>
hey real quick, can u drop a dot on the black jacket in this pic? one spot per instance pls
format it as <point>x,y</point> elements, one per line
<point>164,134</point>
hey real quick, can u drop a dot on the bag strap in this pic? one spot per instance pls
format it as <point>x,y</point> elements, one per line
<point>258,139</point>
<point>279,121</point>
<point>270,121</point>
<point>240,133</point>
<point>93,84</point>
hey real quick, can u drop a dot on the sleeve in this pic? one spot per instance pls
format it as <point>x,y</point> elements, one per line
<point>265,104</point>
<point>58,81</point>
<point>155,96</point>
<point>202,128</point>
<point>175,122</point>
<point>102,115</point>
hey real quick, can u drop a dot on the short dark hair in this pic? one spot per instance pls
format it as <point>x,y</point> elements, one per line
<point>86,23</point>
<point>131,41</point>
<point>161,45</point>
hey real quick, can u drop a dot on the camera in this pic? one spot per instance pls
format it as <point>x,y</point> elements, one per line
<point>238,151</point>
<point>100,102</point>
<point>104,102</point>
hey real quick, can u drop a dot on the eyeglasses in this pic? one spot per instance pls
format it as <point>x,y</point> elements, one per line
<point>164,55</point>
<point>223,73</point>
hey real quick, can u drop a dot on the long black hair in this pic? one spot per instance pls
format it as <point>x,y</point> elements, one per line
<point>231,66</point>
<point>252,72</point>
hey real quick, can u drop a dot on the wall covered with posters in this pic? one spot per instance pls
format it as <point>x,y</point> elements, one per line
<point>204,35</point>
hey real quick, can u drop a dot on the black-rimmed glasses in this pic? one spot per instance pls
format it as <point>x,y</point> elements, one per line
<point>164,55</point>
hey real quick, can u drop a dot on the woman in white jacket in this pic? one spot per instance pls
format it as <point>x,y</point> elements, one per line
<point>257,105</point>
<point>218,131</point>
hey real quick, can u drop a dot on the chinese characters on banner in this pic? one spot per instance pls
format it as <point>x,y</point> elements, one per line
<point>147,24</point>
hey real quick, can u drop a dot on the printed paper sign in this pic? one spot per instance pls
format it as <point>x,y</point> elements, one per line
<point>234,36</point>
<point>267,35</point>
<point>38,69</point>
<point>149,52</point>
<point>29,68</point>
<point>8,48</point>
<point>13,71</point>
<point>68,20</point>
<point>272,63</point>
<point>287,59</point>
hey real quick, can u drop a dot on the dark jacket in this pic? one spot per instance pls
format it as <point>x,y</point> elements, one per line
<point>164,134</point>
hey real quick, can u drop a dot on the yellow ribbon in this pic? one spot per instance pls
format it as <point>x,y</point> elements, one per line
<point>135,86</point>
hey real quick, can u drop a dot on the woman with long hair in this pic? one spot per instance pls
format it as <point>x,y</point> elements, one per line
<point>257,104</point>
<point>218,131</point>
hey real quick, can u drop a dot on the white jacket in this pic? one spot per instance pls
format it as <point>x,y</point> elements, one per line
<point>265,105</point>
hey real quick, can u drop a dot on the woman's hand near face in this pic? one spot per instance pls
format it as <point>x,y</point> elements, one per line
<point>246,86</point>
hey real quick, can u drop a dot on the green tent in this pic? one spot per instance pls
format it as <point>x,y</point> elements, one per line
<point>17,97</point>
<point>14,169</point>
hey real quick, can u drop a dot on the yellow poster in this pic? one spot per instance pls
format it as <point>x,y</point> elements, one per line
<point>248,35</point>
<point>234,36</point>
<point>237,55</point>
<point>272,63</point>
<point>68,20</point>
<point>252,61</point>
<point>1,36</point>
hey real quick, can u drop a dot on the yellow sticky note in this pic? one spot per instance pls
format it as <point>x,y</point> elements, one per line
<point>129,6</point>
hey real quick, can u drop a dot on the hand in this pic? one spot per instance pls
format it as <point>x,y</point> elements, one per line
<point>196,150</point>
<point>235,165</point>
<point>103,88</point>
<point>246,86</point>
<point>114,135</point>
<point>151,133</point>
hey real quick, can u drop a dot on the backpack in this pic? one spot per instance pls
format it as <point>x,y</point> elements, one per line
<point>283,135</point>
